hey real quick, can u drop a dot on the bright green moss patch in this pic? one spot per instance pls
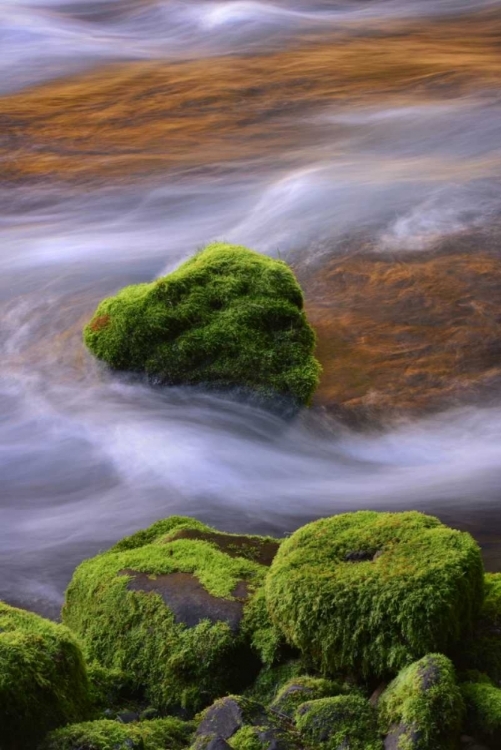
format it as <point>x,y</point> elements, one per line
<point>425,701</point>
<point>482,650</point>
<point>227,317</point>
<point>302,689</point>
<point>483,706</point>
<point>43,682</point>
<point>158,734</point>
<point>344,721</point>
<point>172,613</point>
<point>370,592</point>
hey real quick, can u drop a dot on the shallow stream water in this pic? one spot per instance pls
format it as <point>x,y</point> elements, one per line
<point>86,457</point>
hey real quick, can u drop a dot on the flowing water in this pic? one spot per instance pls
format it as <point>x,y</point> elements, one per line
<point>87,457</point>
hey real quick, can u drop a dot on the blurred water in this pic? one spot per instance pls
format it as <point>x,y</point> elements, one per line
<point>85,457</point>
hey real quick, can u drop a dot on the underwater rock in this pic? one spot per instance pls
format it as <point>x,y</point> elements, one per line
<point>418,591</point>
<point>226,318</point>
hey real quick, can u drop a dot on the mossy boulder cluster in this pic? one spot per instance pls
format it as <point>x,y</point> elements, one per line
<point>227,318</point>
<point>364,631</point>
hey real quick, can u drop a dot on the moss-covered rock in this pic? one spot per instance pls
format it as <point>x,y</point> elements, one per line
<point>43,682</point>
<point>483,709</point>
<point>302,689</point>
<point>482,650</point>
<point>169,607</point>
<point>345,721</point>
<point>370,592</point>
<point>272,678</point>
<point>243,724</point>
<point>227,716</point>
<point>265,738</point>
<point>422,708</point>
<point>227,317</point>
<point>158,734</point>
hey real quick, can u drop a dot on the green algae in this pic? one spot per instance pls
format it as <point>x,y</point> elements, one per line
<point>43,681</point>
<point>228,317</point>
<point>371,592</point>
<point>425,700</point>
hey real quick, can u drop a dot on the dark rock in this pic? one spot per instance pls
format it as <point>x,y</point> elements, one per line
<point>148,713</point>
<point>470,743</point>
<point>360,555</point>
<point>398,732</point>
<point>127,717</point>
<point>261,551</point>
<point>189,600</point>
<point>376,695</point>
<point>222,719</point>
<point>218,743</point>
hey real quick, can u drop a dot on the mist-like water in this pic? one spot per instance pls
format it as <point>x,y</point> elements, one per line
<point>86,457</point>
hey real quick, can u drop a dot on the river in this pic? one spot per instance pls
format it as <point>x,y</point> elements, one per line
<point>87,457</point>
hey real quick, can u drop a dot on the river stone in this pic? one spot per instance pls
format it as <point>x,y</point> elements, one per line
<point>43,680</point>
<point>409,707</point>
<point>343,721</point>
<point>370,615</point>
<point>226,318</point>
<point>190,596</point>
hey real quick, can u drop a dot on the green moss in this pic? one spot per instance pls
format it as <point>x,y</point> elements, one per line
<point>43,682</point>
<point>425,699</point>
<point>270,680</point>
<point>483,710</point>
<point>227,317</point>
<point>482,650</point>
<point>265,637</point>
<point>157,734</point>
<point>302,689</point>
<point>264,737</point>
<point>344,721</point>
<point>370,592</point>
<point>119,604</point>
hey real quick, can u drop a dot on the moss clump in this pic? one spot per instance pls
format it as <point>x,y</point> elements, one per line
<point>157,734</point>
<point>265,738</point>
<point>344,721</point>
<point>227,317</point>
<point>302,689</point>
<point>371,592</point>
<point>425,703</point>
<point>483,710</point>
<point>43,682</point>
<point>482,650</point>
<point>168,607</point>
<point>271,679</point>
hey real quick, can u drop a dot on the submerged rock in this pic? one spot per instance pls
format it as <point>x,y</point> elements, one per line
<point>422,709</point>
<point>176,607</point>
<point>226,318</point>
<point>43,681</point>
<point>419,590</point>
